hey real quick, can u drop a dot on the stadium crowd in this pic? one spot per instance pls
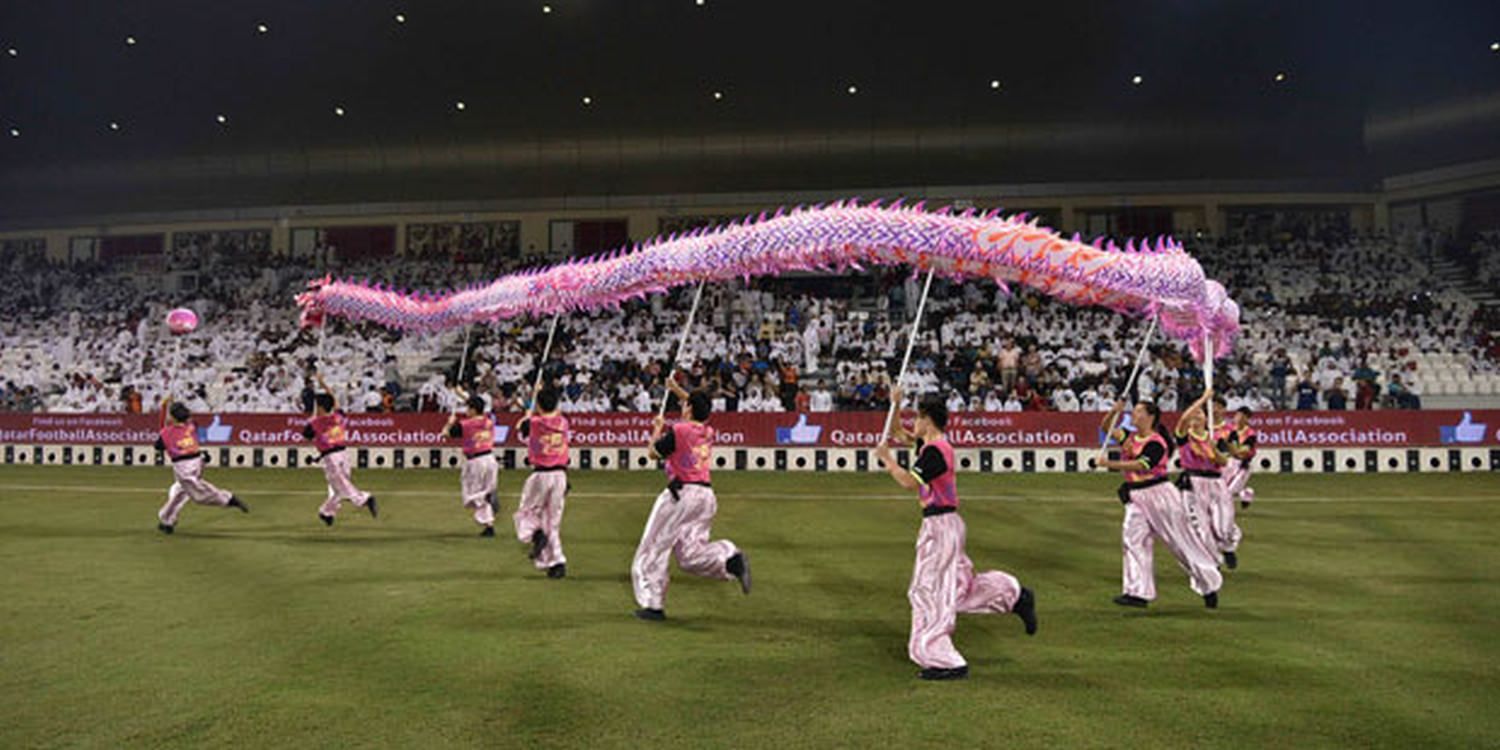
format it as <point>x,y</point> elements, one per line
<point>1329,322</point>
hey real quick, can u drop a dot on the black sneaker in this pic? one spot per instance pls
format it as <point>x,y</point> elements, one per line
<point>559,570</point>
<point>1244,504</point>
<point>327,520</point>
<point>939,673</point>
<point>739,567</point>
<point>489,531</point>
<point>372,507</point>
<point>1127,600</point>
<point>1231,560</point>
<point>1026,610</point>
<point>164,528</point>
<point>1211,600</point>
<point>654,615</point>
<point>235,502</point>
<point>538,543</point>
<point>494,503</point>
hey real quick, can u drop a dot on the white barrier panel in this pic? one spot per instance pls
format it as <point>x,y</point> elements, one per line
<point>760,459</point>
<point>1050,461</point>
<point>83,455</point>
<point>801,460</point>
<point>114,455</point>
<point>1433,459</point>
<point>1346,460</point>
<point>239,457</point>
<point>1307,460</point>
<point>1007,461</point>
<point>841,459</point>
<point>1474,459</point>
<point>967,459</point>
<point>606,459</point>
<point>375,458</point>
<point>1391,460</point>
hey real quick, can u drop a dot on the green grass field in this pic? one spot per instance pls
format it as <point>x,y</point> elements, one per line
<point>1364,614</point>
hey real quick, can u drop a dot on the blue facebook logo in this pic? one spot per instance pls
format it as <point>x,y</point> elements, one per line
<point>1466,431</point>
<point>801,433</point>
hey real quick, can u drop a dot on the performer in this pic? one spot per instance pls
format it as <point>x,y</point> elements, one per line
<point>326,430</point>
<point>1202,484</point>
<point>943,581</point>
<point>480,473</point>
<point>539,517</point>
<point>1242,452</point>
<point>179,438</point>
<point>1154,510</point>
<point>683,515</point>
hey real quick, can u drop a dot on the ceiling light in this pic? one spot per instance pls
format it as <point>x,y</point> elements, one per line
<point>1279,77</point>
<point>262,28</point>
<point>995,85</point>
<point>12,52</point>
<point>130,41</point>
<point>15,132</point>
<point>222,120</point>
<point>1494,47</point>
<point>718,96</point>
<point>546,9</point>
<point>114,126</point>
<point>854,89</point>
<point>459,105</point>
<point>339,111</point>
<point>697,2</point>
<point>400,18</point>
<point>1136,80</point>
<point>587,100</point>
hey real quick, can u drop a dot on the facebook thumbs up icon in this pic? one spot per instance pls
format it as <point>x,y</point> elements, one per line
<point>217,432</point>
<point>1466,431</point>
<point>801,433</point>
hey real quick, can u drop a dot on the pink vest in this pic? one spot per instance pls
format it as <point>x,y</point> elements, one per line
<point>547,443</point>
<point>479,435</point>
<point>1134,446</point>
<point>691,455</point>
<point>1243,438</point>
<point>1197,453</point>
<point>328,432</point>
<point>941,491</point>
<point>180,439</point>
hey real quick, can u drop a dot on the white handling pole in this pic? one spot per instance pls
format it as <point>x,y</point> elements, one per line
<point>911,341</point>
<point>174,366</point>
<point>463,359</point>
<point>546,352</point>
<point>1208,382</point>
<point>681,344</point>
<point>1135,370</point>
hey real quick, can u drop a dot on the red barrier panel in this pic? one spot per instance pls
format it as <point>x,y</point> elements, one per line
<point>1328,429</point>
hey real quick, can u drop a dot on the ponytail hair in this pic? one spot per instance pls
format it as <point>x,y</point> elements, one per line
<point>1158,427</point>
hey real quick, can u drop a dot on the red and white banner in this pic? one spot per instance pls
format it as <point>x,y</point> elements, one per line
<point>1324,429</point>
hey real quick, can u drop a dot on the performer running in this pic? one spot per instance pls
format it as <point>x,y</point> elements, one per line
<point>1202,484</point>
<point>1154,510</point>
<point>1242,452</point>
<point>326,430</point>
<point>943,581</point>
<point>480,473</point>
<point>683,515</point>
<point>179,438</point>
<point>539,517</point>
